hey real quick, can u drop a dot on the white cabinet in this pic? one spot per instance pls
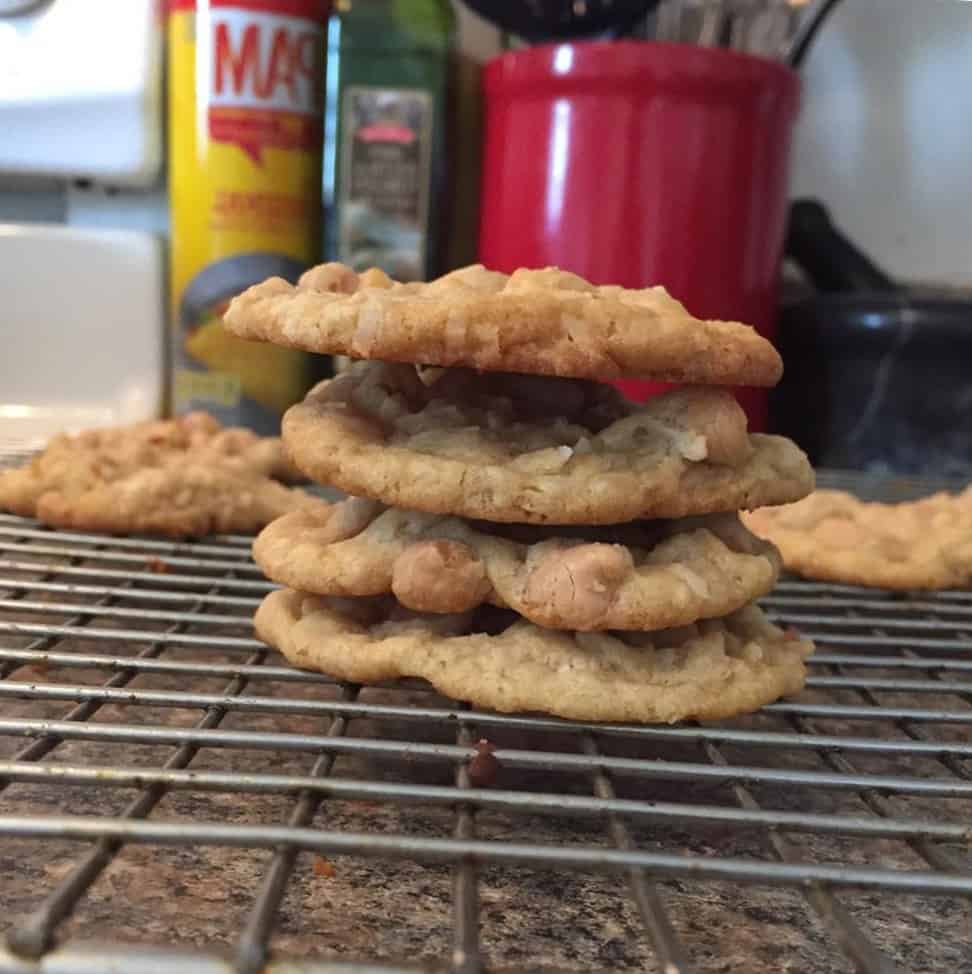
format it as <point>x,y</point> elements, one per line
<point>80,91</point>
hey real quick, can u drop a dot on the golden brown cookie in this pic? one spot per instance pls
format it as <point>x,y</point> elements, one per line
<point>74,463</point>
<point>714,669</point>
<point>546,322</point>
<point>155,477</point>
<point>182,499</point>
<point>535,449</point>
<point>646,575</point>
<point>197,433</point>
<point>834,537</point>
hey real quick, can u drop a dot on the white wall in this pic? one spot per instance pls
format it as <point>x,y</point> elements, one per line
<point>885,136</point>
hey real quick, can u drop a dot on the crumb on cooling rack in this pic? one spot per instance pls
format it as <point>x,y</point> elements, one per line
<point>483,766</point>
<point>37,669</point>
<point>157,566</point>
<point>322,867</point>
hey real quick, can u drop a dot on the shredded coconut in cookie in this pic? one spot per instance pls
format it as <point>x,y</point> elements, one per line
<point>544,321</point>
<point>536,449</point>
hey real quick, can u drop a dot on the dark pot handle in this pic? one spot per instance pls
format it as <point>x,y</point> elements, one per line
<point>826,256</point>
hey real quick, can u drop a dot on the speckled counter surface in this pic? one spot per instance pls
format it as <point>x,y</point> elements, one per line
<point>354,908</point>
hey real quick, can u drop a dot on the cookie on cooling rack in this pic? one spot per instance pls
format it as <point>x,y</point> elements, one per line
<point>536,449</point>
<point>490,658</point>
<point>546,322</point>
<point>833,536</point>
<point>182,477</point>
<point>183,499</point>
<point>647,575</point>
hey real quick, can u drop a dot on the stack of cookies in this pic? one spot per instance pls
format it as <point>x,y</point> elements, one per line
<point>519,534</point>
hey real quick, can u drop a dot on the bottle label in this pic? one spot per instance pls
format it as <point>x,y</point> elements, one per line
<point>385,179</point>
<point>264,81</point>
<point>245,104</point>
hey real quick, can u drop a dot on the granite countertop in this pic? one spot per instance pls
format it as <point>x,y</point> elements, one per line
<point>355,908</point>
<point>349,908</point>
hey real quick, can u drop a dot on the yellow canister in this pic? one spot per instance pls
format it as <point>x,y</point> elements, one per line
<point>245,118</point>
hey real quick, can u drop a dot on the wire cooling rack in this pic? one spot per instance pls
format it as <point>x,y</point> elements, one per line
<point>175,798</point>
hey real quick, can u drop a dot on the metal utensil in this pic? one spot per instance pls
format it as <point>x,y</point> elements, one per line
<point>538,21</point>
<point>714,23</point>
<point>761,28</point>
<point>697,22</point>
<point>794,50</point>
<point>668,21</point>
<point>781,30</point>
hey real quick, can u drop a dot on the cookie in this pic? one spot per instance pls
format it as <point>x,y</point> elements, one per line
<point>832,536</point>
<point>156,476</point>
<point>183,499</point>
<point>77,462</point>
<point>547,322</point>
<point>708,671</point>
<point>535,449</point>
<point>647,575</point>
<point>197,433</point>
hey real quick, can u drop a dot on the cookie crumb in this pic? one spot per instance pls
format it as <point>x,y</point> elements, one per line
<point>38,668</point>
<point>483,766</point>
<point>791,633</point>
<point>323,868</point>
<point>157,566</point>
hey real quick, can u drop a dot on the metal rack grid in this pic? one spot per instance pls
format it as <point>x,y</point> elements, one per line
<point>140,718</point>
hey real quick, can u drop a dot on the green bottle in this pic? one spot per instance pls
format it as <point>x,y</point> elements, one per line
<point>386,92</point>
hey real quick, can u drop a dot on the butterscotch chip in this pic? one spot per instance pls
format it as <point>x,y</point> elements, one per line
<point>546,322</point>
<point>715,669</point>
<point>439,575</point>
<point>634,576</point>
<point>833,536</point>
<point>536,449</point>
<point>187,476</point>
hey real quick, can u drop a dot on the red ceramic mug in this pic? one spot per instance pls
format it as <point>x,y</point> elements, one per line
<point>638,163</point>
